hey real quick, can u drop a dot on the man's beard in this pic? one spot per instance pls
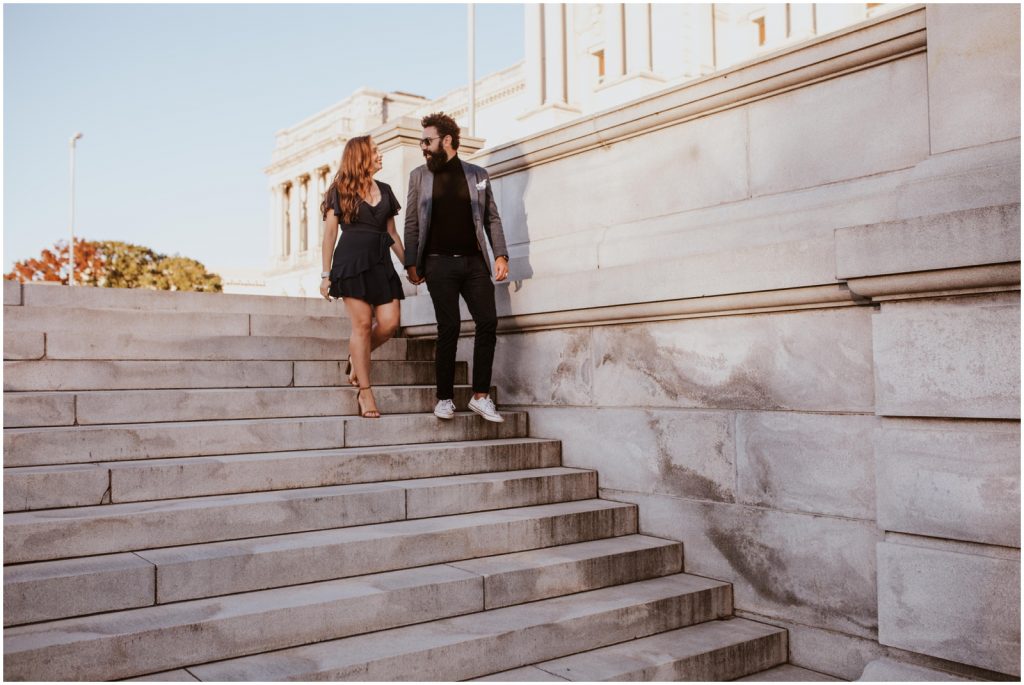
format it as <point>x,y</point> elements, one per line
<point>435,160</point>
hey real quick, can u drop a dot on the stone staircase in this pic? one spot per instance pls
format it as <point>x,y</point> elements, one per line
<point>189,494</point>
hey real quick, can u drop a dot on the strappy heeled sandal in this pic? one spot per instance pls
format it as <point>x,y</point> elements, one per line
<point>348,372</point>
<point>366,413</point>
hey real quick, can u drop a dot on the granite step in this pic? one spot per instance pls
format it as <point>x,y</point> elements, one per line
<point>51,590</point>
<point>120,442</point>
<point>179,346</point>
<point>156,323</point>
<point>98,407</point>
<point>788,673</point>
<point>136,641</point>
<point>139,299</point>
<point>76,485</point>
<point>713,651</point>
<point>478,644</point>
<point>54,375</point>
<point>104,529</point>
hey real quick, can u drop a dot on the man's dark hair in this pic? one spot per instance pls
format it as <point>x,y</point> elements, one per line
<point>445,126</point>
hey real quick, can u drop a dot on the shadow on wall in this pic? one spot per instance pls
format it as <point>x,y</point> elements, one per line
<point>509,197</point>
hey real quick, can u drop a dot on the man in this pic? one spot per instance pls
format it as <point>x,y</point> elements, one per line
<point>450,215</point>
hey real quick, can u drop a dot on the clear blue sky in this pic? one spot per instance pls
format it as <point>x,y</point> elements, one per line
<point>179,105</point>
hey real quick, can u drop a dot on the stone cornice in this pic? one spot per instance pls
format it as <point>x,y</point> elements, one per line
<point>889,37</point>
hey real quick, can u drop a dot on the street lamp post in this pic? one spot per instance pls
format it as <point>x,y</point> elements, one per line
<point>472,68</point>
<point>71,245</point>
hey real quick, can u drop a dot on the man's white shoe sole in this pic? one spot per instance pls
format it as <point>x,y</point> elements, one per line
<point>446,417</point>
<point>492,419</point>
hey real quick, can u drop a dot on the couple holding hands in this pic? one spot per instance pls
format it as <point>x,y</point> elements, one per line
<point>451,216</point>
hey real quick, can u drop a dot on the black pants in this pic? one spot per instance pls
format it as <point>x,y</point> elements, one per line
<point>447,278</point>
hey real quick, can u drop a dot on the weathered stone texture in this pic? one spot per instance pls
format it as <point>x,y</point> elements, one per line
<point>950,479</point>
<point>956,357</point>
<point>815,463</point>
<point>828,132</point>
<point>960,607</point>
<point>739,362</point>
<point>672,452</point>
<point>973,74</point>
<point>815,570</point>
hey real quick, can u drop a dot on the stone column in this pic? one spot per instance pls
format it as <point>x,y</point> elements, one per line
<point>801,21</point>
<point>275,223</point>
<point>286,220</point>
<point>556,89</point>
<point>614,41</point>
<point>304,214</point>
<point>638,32</point>
<point>322,180</point>
<point>534,54</point>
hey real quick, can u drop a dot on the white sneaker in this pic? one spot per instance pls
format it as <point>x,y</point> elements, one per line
<point>445,409</point>
<point>485,408</point>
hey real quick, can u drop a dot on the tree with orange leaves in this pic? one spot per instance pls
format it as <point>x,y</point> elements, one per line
<point>114,264</point>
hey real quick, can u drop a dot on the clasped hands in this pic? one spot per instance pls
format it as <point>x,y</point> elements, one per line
<point>500,271</point>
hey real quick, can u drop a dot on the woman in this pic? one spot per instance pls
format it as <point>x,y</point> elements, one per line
<point>360,270</point>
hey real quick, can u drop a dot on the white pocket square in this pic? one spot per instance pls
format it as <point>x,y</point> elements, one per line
<point>481,185</point>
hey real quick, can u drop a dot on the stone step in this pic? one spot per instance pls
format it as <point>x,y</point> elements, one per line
<point>474,645</point>
<point>788,673</point>
<point>179,346</point>
<point>137,641</point>
<point>53,375</point>
<point>105,529</point>
<point>98,407</point>
<point>520,577</point>
<point>156,323</point>
<point>76,485</point>
<point>139,299</point>
<point>316,374</point>
<point>120,442</point>
<point>71,587</point>
<point>714,651</point>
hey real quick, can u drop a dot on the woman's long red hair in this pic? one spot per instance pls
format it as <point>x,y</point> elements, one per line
<point>354,179</point>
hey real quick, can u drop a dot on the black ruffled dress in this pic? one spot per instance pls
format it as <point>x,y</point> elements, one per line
<point>361,266</point>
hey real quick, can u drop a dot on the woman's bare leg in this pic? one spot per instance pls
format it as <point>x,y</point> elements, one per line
<point>387,318</point>
<point>360,313</point>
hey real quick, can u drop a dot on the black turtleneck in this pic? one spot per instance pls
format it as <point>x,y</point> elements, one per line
<point>451,216</point>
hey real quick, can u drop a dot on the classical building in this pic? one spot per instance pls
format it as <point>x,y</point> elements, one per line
<point>579,59</point>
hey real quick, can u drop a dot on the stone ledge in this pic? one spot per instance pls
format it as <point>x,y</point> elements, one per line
<point>970,237</point>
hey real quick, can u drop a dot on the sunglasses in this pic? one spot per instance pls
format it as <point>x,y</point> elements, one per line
<point>426,141</point>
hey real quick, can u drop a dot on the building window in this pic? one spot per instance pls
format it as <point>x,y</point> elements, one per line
<point>761,33</point>
<point>599,64</point>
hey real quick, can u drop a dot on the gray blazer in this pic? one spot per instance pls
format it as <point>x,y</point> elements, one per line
<point>419,203</point>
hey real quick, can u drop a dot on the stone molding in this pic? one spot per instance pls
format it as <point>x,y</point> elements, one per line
<point>939,282</point>
<point>815,297</point>
<point>890,37</point>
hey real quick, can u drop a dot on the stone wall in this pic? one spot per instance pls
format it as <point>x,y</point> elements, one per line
<point>778,308</point>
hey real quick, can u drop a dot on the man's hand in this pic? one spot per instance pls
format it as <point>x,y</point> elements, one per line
<point>500,268</point>
<point>414,277</point>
